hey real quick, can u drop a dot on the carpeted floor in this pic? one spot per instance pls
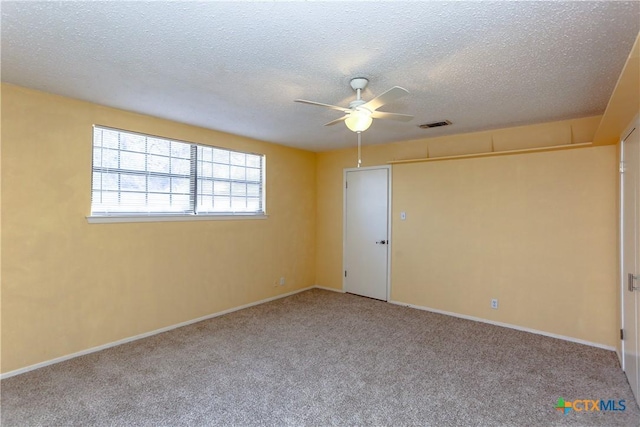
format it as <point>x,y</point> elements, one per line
<point>323,358</point>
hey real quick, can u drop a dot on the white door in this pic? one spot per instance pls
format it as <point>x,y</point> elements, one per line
<point>366,231</point>
<point>631,258</point>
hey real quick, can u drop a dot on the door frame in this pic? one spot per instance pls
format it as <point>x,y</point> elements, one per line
<point>344,222</point>
<point>627,132</point>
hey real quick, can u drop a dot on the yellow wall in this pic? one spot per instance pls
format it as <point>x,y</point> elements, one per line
<point>330,165</point>
<point>536,231</point>
<point>68,285</point>
<point>624,102</point>
<point>623,106</point>
<point>530,227</point>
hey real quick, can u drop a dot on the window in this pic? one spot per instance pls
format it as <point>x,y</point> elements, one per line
<point>143,175</point>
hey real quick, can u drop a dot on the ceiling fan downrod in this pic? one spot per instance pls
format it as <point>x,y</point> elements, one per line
<point>358,84</point>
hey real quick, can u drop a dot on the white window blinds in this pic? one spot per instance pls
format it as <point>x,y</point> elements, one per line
<point>228,181</point>
<point>135,174</point>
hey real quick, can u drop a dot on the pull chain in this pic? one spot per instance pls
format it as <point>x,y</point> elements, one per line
<point>359,149</point>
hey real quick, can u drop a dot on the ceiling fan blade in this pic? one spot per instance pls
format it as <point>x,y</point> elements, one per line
<point>392,116</point>
<point>333,122</point>
<point>391,95</point>
<point>320,104</point>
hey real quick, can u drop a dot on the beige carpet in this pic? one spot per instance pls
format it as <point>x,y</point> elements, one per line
<point>323,358</point>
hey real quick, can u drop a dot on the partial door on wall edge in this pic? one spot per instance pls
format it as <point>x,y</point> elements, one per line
<point>630,254</point>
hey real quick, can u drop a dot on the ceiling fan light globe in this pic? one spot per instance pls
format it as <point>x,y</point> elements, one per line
<point>358,121</point>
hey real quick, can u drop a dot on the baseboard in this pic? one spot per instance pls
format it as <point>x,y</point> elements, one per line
<point>506,325</point>
<point>329,289</point>
<point>231,310</point>
<point>144,335</point>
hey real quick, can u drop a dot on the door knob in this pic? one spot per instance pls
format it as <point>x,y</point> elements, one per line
<point>381,242</point>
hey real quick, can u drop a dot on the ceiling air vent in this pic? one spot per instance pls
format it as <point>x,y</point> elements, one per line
<point>434,124</point>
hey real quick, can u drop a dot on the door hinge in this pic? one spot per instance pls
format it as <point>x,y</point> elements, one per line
<point>346,184</point>
<point>622,334</point>
<point>621,167</point>
<point>345,273</point>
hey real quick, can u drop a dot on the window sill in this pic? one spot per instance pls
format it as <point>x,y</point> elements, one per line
<point>170,218</point>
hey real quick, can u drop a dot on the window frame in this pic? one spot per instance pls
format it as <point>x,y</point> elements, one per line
<point>193,215</point>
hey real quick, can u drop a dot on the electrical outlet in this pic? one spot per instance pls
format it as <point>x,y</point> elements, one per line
<point>494,304</point>
<point>282,281</point>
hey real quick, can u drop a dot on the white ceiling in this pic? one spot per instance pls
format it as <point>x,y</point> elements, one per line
<point>238,66</point>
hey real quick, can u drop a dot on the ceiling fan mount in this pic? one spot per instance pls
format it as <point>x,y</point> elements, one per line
<point>360,114</point>
<point>359,83</point>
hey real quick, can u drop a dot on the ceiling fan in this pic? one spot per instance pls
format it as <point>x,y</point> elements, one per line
<point>360,114</point>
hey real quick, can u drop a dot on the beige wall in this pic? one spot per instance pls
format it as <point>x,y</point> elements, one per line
<point>623,106</point>
<point>330,165</point>
<point>68,285</point>
<point>536,231</point>
<point>624,101</point>
<point>528,228</point>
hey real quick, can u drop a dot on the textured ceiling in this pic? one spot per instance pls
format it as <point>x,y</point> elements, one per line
<point>238,66</point>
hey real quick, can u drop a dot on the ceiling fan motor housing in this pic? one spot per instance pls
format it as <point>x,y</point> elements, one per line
<point>356,103</point>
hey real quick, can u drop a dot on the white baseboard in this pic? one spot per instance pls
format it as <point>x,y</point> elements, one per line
<point>144,335</point>
<point>231,310</point>
<point>329,289</point>
<point>506,325</point>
